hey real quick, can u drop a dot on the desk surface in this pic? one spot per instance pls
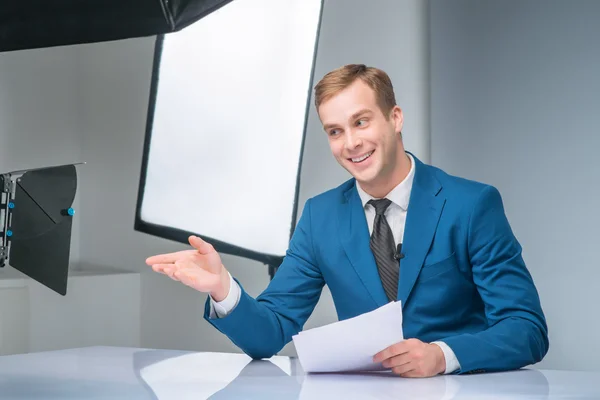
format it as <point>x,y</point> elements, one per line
<point>128,373</point>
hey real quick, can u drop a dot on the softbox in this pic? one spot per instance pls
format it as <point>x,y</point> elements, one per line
<point>27,24</point>
<point>226,122</point>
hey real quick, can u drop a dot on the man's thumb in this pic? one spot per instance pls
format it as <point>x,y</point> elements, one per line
<point>200,245</point>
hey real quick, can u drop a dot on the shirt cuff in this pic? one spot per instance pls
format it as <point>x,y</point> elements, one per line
<point>452,363</point>
<point>220,309</point>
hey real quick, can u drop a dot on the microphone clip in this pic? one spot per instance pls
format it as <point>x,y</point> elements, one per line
<point>398,253</point>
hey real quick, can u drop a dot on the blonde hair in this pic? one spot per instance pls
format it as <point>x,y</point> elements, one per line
<point>339,79</point>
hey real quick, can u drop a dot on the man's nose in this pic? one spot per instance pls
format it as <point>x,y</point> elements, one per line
<point>353,141</point>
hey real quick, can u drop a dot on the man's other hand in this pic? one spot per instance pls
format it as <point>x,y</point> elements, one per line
<point>412,358</point>
<point>200,269</point>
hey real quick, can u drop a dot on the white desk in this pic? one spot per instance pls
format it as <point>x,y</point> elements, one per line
<point>129,373</point>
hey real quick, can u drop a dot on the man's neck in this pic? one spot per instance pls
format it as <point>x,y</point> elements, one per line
<point>386,184</point>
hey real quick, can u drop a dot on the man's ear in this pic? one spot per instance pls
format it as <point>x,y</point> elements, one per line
<point>398,118</point>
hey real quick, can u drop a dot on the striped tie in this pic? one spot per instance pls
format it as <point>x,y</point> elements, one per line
<point>383,248</point>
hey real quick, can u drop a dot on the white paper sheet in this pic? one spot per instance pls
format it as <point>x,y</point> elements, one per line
<point>350,345</point>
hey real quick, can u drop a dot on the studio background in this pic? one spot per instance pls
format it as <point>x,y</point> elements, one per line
<point>500,92</point>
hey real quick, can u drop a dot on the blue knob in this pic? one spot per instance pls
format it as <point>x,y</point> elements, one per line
<point>71,212</point>
<point>9,233</point>
<point>11,205</point>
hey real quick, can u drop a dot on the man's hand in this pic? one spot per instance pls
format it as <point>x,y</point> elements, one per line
<point>413,359</point>
<point>200,269</point>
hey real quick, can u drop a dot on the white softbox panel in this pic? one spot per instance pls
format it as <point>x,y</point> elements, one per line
<point>228,109</point>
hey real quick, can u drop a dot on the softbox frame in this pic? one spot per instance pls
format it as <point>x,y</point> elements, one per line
<point>29,24</point>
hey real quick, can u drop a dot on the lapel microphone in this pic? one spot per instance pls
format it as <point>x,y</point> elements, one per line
<point>398,253</point>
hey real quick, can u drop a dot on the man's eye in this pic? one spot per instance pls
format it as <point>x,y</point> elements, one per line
<point>361,122</point>
<point>333,132</point>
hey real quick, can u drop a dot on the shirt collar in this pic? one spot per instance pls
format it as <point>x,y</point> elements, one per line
<point>400,195</point>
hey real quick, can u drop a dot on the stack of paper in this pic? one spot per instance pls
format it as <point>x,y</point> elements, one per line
<point>350,345</point>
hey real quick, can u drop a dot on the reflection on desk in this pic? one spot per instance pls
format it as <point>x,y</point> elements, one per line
<point>128,373</point>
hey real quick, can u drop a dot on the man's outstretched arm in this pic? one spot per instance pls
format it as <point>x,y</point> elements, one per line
<point>261,326</point>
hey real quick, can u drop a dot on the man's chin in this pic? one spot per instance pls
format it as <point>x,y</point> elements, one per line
<point>363,178</point>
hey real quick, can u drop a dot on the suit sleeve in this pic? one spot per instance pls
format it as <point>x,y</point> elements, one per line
<point>517,334</point>
<point>262,326</point>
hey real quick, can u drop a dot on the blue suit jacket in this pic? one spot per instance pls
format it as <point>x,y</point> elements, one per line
<point>462,280</point>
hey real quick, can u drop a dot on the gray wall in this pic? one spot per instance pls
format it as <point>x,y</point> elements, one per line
<point>39,115</point>
<point>515,91</point>
<point>42,124</point>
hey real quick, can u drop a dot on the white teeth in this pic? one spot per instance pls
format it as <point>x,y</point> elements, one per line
<point>359,159</point>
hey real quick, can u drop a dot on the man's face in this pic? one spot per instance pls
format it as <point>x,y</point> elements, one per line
<point>362,140</point>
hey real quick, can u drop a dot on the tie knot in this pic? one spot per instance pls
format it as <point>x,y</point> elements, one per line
<point>380,205</point>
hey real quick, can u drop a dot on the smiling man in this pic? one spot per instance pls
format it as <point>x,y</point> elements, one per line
<point>398,230</point>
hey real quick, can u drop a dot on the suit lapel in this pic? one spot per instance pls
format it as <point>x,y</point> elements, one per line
<point>424,211</point>
<point>354,234</point>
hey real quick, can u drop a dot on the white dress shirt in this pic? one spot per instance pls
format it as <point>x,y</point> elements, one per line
<point>396,218</point>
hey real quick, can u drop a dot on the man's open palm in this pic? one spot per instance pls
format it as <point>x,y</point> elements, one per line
<point>200,268</point>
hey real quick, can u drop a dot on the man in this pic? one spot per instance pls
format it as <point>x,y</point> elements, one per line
<point>398,230</point>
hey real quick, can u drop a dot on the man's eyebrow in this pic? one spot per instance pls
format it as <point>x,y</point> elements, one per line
<point>329,126</point>
<point>353,116</point>
<point>361,112</point>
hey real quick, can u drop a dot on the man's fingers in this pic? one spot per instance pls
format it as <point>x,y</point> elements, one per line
<point>197,278</point>
<point>200,245</point>
<point>404,370</point>
<point>166,269</point>
<point>167,258</point>
<point>189,273</point>
<point>397,361</point>
<point>383,355</point>
<point>161,267</point>
<point>171,273</point>
<point>393,350</point>
<point>412,374</point>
